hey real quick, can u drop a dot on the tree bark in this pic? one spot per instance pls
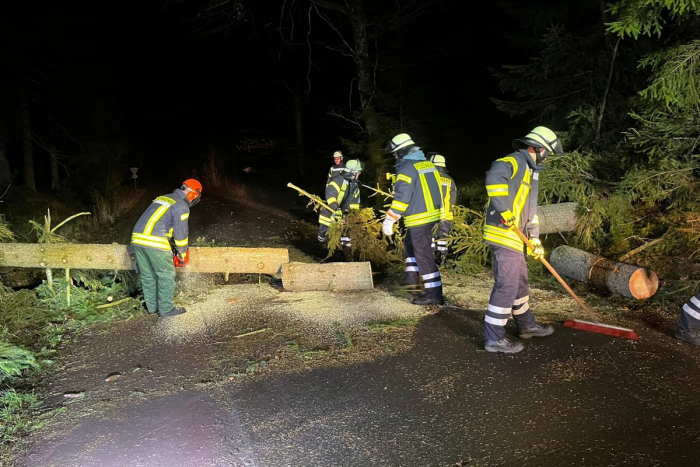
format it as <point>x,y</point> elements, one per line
<point>27,153</point>
<point>560,217</point>
<point>304,277</point>
<point>114,256</point>
<point>625,279</point>
<point>53,154</point>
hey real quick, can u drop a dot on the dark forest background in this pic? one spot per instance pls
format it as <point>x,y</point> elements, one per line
<point>264,92</point>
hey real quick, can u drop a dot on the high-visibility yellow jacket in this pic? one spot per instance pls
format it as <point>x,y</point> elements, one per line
<point>417,191</point>
<point>336,191</point>
<point>449,195</point>
<point>164,222</point>
<point>512,184</point>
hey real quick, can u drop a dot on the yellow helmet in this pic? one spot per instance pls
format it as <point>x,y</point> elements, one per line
<point>337,154</point>
<point>399,142</point>
<point>540,137</point>
<point>437,159</point>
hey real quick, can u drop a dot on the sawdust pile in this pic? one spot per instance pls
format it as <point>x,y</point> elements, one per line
<point>241,308</point>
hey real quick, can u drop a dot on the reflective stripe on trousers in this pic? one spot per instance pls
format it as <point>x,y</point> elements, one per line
<point>690,314</point>
<point>510,294</point>
<point>417,251</point>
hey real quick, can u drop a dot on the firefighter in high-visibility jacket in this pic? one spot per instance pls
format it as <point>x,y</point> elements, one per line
<point>342,195</point>
<point>512,185</point>
<point>418,199</point>
<point>449,198</point>
<point>160,239</point>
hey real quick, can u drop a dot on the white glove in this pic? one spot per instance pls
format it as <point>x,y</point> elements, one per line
<point>388,224</point>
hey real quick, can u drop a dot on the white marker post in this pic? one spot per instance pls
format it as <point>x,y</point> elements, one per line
<point>133,174</point>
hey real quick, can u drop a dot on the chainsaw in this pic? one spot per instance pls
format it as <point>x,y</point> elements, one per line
<point>181,260</point>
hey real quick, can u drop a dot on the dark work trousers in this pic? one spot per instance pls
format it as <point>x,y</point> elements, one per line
<point>420,261</point>
<point>157,273</point>
<point>510,294</point>
<point>690,315</point>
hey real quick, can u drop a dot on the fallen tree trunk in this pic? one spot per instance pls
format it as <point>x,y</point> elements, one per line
<point>560,217</point>
<point>303,277</point>
<point>113,256</point>
<point>625,279</point>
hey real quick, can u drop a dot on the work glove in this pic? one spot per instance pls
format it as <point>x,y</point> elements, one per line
<point>538,250</point>
<point>337,215</point>
<point>389,221</point>
<point>508,218</point>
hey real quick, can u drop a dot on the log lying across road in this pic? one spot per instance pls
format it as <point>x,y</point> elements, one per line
<point>626,279</point>
<point>113,256</point>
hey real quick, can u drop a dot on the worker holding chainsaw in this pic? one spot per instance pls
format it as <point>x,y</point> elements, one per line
<point>512,185</point>
<point>449,198</point>
<point>418,199</point>
<point>338,165</point>
<point>160,242</point>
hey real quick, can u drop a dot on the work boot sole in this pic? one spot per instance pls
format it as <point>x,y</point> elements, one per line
<point>548,331</point>
<point>174,312</point>
<point>681,337</point>
<point>496,349</point>
<point>428,301</point>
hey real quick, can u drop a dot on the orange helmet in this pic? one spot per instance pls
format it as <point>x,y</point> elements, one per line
<point>195,189</point>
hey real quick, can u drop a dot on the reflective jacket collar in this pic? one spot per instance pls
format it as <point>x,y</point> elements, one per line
<point>414,156</point>
<point>530,161</point>
<point>180,195</point>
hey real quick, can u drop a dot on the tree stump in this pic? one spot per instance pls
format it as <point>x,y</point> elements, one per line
<point>625,279</point>
<point>560,217</point>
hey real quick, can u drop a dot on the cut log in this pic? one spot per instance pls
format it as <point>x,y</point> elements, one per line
<point>114,256</point>
<point>303,277</point>
<point>625,279</point>
<point>560,217</point>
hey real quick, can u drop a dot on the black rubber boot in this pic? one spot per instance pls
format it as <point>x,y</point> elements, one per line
<point>505,345</point>
<point>178,310</point>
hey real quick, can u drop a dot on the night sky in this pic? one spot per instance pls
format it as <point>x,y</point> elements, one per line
<point>175,91</point>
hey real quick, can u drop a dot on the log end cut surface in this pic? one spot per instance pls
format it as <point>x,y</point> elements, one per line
<point>643,284</point>
<point>304,277</point>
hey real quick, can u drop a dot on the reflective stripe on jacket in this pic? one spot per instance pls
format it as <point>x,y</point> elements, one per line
<point>352,199</point>
<point>512,184</point>
<point>449,196</point>
<point>164,223</point>
<point>336,190</point>
<point>417,191</point>
<point>336,170</point>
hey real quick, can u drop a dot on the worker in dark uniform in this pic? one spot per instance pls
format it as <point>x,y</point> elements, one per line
<point>512,184</point>
<point>342,194</point>
<point>353,169</point>
<point>160,239</point>
<point>449,198</point>
<point>338,165</point>
<point>418,199</point>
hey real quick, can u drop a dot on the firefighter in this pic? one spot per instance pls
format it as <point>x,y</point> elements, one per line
<point>418,199</point>
<point>449,198</point>
<point>342,194</point>
<point>512,185</point>
<point>338,165</point>
<point>160,241</point>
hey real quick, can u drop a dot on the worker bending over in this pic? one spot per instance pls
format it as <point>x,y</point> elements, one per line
<point>160,241</point>
<point>449,198</point>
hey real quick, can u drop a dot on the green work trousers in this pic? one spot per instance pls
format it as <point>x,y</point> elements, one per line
<point>157,278</point>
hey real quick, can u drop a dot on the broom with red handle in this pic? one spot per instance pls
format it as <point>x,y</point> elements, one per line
<point>593,326</point>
